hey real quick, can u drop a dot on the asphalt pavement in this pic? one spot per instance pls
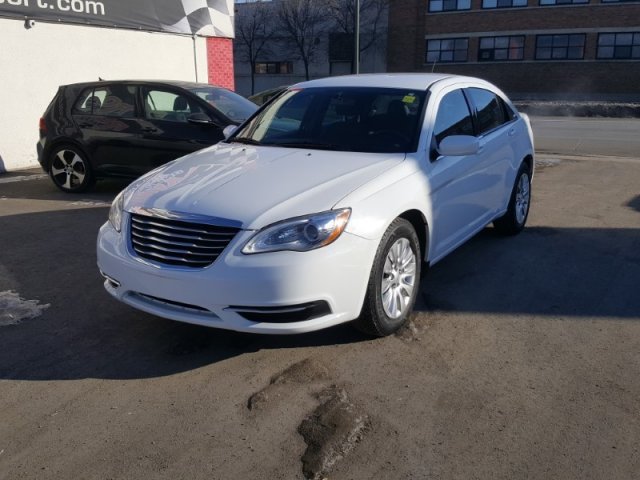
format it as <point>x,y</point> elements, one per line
<point>521,360</point>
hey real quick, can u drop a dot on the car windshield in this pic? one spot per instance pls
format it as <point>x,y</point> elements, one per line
<point>358,119</point>
<point>230,104</point>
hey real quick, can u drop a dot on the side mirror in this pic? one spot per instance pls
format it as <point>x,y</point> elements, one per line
<point>199,119</point>
<point>458,146</point>
<point>229,130</point>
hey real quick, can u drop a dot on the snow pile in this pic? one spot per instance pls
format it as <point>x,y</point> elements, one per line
<point>14,309</point>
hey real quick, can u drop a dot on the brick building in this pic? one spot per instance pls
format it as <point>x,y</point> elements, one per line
<point>570,49</point>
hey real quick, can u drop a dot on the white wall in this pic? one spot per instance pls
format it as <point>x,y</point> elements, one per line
<point>34,62</point>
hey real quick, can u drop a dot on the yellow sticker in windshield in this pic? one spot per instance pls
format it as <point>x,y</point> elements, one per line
<point>410,98</point>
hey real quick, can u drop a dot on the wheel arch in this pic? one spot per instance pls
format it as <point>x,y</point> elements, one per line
<point>61,142</point>
<point>529,162</point>
<point>417,219</point>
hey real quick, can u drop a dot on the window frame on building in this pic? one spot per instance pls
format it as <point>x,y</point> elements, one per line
<point>557,45</point>
<point>634,46</point>
<point>277,67</point>
<point>440,50</point>
<point>445,3</point>
<point>486,4</point>
<point>562,3</point>
<point>509,48</point>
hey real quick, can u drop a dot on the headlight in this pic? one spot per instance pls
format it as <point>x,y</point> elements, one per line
<point>115,213</point>
<point>300,234</point>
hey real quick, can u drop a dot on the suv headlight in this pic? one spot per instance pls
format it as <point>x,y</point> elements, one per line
<point>115,213</point>
<point>300,234</point>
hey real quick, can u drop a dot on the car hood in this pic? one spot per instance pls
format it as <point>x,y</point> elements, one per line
<point>256,185</point>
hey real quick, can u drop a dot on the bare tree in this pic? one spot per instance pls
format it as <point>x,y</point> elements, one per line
<point>372,13</point>
<point>254,29</point>
<point>303,22</point>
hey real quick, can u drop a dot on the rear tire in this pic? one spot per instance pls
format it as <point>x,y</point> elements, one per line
<point>394,281</point>
<point>69,169</point>
<point>512,222</point>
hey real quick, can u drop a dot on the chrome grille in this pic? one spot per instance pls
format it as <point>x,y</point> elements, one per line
<point>176,242</point>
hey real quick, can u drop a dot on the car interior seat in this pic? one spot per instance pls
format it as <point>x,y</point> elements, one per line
<point>180,110</point>
<point>94,103</point>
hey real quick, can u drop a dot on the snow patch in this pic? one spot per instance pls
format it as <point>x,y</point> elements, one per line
<point>14,309</point>
<point>22,178</point>
<point>90,203</point>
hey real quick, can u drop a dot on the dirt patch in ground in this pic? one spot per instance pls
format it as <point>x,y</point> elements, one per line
<point>330,432</point>
<point>303,372</point>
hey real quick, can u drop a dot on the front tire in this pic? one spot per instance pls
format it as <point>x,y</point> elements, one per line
<point>394,281</point>
<point>69,169</point>
<point>512,222</point>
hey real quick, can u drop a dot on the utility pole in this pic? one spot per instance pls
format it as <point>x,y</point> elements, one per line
<point>356,52</point>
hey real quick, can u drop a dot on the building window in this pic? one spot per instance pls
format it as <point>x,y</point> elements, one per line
<point>501,48</point>
<point>449,5</point>
<point>619,46</point>
<point>503,3</point>
<point>447,50</point>
<point>560,47</point>
<point>274,67</point>
<point>561,2</point>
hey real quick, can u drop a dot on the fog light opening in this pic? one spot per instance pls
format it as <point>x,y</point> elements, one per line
<point>113,283</point>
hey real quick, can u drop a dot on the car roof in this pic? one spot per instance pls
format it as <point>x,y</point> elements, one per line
<point>415,81</point>
<point>169,83</point>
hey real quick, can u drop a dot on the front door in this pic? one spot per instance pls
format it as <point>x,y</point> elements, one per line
<point>167,132</point>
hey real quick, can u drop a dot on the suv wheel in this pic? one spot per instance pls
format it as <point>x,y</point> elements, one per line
<point>69,169</point>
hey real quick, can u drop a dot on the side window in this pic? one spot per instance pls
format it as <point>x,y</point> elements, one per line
<point>113,101</point>
<point>90,101</point>
<point>168,106</point>
<point>453,117</point>
<point>489,109</point>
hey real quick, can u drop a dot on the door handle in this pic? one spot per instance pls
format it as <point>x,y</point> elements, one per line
<point>149,129</point>
<point>512,132</point>
<point>85,125</point>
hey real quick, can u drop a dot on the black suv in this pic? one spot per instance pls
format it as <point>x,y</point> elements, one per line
<point>126,128</point>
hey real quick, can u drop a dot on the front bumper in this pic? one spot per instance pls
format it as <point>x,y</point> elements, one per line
<point>336,274</point>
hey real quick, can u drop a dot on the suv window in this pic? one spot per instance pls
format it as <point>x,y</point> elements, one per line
<point>111,101</point>
<point>453,117</point>
<point>168,106</point>
<point>490,110</point>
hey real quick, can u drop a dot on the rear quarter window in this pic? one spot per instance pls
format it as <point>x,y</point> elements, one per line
<point>110,100</point>
<point>490,109</point>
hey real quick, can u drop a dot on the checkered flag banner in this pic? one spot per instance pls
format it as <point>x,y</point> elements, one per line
<point>205,17</point>
<point>210,18</point>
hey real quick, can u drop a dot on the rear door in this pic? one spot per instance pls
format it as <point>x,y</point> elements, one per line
<point>167,132</point>
<point>107,117</point>
<point>495,129</point>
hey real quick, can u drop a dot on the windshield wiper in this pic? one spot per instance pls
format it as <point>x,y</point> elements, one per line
<point>246,140</point>
<point>311,145</point>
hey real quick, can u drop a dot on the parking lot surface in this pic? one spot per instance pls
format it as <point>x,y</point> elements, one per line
<point>521,361</point>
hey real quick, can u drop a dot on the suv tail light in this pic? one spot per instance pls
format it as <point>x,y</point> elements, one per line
<point>43,127</point>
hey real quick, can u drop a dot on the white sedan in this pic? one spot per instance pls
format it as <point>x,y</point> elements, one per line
<point>322,208</point>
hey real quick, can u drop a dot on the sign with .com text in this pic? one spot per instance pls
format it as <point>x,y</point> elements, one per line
<point>211,18</point>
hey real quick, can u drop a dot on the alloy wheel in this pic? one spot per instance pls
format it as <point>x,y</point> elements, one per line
<point>398,278</point>
<point>68,169</point>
